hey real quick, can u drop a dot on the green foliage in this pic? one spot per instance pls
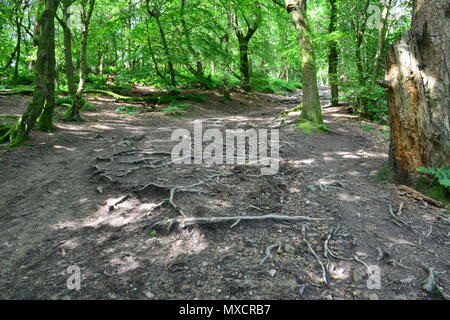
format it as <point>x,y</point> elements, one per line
<point>309,127</point>
<point>89,107</point>
<point>273,85</point>
<point>26,78</point>
<point>385,174</point>
<point>4,128</point>
<point>63,101</point>
<point>169,99</point>
<point>130,110</point>
<point>366,127</point>
<point>176,110</point>
<point>442,175</point>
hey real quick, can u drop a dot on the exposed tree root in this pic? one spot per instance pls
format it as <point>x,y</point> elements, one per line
<point>324,271</point>
<point>269,254</point>
<point>184,222</point>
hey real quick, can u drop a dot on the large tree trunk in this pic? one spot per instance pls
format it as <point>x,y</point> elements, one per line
<point>419,91</point>
<point>333,56</point>
<point>42,83</point>
<point>312,110</point>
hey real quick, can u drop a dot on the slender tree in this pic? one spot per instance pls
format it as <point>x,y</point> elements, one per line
<point>312,110</point>
<point>87,8</point>
<point>333,55</point>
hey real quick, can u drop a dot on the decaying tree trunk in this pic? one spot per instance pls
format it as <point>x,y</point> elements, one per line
<point>418,84</point>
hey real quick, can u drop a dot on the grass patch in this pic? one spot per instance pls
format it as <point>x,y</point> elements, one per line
<point>433,190</point>
<point>177,110</point>
<point>385,174</point>
<point>308,127</point>
<point>89,107</point>
<point>171,99</point>
<point>129,110</point>
<point>366,127</point>
<point>4,128</point>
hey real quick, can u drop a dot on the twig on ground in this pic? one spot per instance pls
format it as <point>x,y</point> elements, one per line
<point>268,254</point>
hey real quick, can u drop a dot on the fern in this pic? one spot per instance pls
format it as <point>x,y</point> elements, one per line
<point>442,175</point>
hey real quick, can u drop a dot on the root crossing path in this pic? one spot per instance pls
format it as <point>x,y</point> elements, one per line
<point>104,196</point>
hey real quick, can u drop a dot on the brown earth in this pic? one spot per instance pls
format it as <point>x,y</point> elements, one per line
<point>65,201</point>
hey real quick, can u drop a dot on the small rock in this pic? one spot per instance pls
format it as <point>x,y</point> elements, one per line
<point>273,273</point>
<point>408,280</point>
<point>149,295</point>
<point>311,188</point>
<point>204,264</point>
<point>100,189</point>
<point>358,275</point>
<point>329,297</point>
<point>289,249</point>
<point>362,255</point>
<point>374,296</point>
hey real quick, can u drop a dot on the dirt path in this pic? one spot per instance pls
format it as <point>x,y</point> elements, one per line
<point>58,210</point>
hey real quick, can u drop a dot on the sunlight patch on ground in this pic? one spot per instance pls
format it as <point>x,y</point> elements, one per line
<point>348,197</point>
<point>64,148</point>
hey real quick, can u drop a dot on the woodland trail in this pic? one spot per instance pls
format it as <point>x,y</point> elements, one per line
<point>56,210</point>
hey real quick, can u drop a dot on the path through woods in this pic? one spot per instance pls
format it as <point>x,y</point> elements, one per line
<point>61,209</point>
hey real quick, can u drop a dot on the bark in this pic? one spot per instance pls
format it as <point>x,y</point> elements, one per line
<point>312,110</point>
<point>333,56</point>
<point>417,77</point>
<point>42,88</point>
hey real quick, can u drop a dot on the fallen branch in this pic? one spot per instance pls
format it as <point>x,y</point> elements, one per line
<point>411,193</point>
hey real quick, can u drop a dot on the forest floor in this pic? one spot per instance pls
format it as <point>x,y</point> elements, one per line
<point>66,201</point>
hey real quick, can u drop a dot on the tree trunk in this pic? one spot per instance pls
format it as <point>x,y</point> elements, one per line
<point>360,34</point>
<point>381,37</point>
<point>173,81</point>
<point>74,114</point>
<point>19,41</point>
<point>417,77</point>
<point>312,110</point>
<point>42,90</point>
<point>244,66</point>
<point>70,70</point>
<point>333,56</point>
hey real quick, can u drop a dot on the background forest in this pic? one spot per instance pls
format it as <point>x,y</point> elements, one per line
<point>179,43</point>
